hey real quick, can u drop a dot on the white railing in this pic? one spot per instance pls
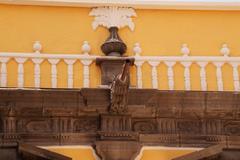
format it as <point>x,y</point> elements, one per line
<point>186,61</point>
<point>154,61</point>
<point>37,58</point>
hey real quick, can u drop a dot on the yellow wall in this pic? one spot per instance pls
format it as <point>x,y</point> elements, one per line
<point>75,153</point>
<point>160,32</point>
<point>164,154</point>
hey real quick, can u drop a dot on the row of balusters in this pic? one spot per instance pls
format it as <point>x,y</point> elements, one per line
<point>88,60</point>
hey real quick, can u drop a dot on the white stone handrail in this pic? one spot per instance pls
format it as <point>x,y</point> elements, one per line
<point>186,60</point>
<point>37,59</point>
<point>202,61</point>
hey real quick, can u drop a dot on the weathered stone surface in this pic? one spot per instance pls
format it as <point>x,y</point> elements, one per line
<point>170,118</point>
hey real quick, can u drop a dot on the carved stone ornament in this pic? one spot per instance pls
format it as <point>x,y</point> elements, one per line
<point>113,18</point>
<point>119,91</point>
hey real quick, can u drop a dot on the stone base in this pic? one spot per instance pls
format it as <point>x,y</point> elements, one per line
<point>117,150</point>
<point>110,67</point>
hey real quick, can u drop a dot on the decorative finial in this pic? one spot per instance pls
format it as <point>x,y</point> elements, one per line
<point>37,47</point>
<point>185,50</point>
<point>113,16</point>
<point>225,51</point>
<point>86,48</point>
<point>137,49</point>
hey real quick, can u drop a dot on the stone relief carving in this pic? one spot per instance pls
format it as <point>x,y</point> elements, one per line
<point>85,125</point>
<point>119,91</point>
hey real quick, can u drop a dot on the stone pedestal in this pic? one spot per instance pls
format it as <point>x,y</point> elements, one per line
<point>110,67</point>
<point>117,140</point>
<point>117,150</point>
<point>117,127</point>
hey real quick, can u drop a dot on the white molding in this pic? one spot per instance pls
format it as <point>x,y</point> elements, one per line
<point>113,16</point>
<point>226,59</point>
<point>138,4</point>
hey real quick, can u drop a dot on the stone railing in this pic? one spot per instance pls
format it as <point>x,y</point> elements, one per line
<point>86,60</point>
<point>37,58</point>
<point>186,61</point>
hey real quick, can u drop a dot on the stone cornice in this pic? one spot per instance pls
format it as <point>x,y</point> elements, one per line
<point>139,4</point>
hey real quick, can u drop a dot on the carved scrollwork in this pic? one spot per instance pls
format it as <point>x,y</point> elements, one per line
<point>85,125</point>
<point>189,127</point>
<point>232,128</point>
<point>36,126</point>
<point>144,127</point>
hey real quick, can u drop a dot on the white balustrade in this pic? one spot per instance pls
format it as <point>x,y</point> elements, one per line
<point>219,75</point>
<point>86,59</point>
<point>235,76</point>
<point>20,62</point>
<point>54,63</point>
<point>86,78</point>
<point>203,77</point>
<point>187,75</point>
<point>3,73</point>
<point>139,64</point>
<point>154,65</point>
<point>170,74</point>
<point>37,71</point>
<point>70,63</point>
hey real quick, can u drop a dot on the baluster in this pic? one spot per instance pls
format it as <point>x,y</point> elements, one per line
<point>170,74</point>
<point>20,62</point>
<point>187,75</point>
<point>70,63</point>
<point>203,76</point>
<point>235,75</point>
<point>86,78</point>
<point>54,63</point>
<point>185,50</point>
<point>37,71</point>
<point>3,73</point>
<point>137,49</point>
<point>86,48</point>
<point>154,65</point>
<point>139,73</point>
<point>219,75</point>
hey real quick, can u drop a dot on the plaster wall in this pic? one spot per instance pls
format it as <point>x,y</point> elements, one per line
<point>160,32</point>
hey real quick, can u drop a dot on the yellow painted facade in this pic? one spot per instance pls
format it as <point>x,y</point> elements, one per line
<point>160,32</point>
<point>78,153</point>
<point>164,154</point>
<point>75,153</point>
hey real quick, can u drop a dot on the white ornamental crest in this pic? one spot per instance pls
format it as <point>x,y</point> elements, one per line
<point>113,17</point>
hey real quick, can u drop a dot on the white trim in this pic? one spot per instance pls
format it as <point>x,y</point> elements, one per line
<point>139,4</point>
<point>74,147</point>
<point>144,148</point>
